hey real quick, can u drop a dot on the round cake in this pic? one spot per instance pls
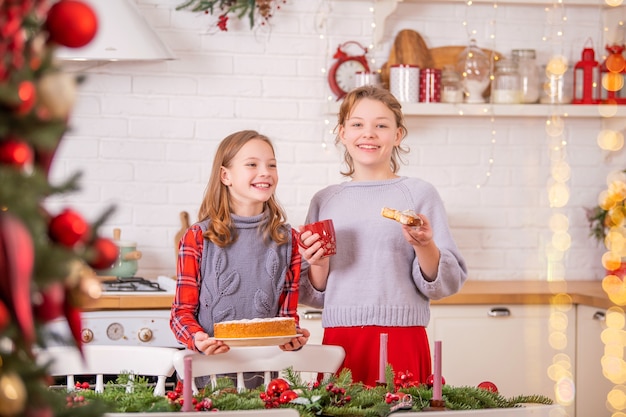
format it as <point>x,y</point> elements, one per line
<point>237,329</point>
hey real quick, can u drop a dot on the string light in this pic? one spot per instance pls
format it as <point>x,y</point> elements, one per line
<point>321,26</point>
<point>491,35</point>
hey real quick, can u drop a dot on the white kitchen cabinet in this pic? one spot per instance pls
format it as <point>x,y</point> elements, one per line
<point>311,319</point>
<point>591,385</point>
<point>507,345</point>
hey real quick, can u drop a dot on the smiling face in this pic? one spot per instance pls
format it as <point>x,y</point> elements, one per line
<point>370,134</point>
<point>251,177</point>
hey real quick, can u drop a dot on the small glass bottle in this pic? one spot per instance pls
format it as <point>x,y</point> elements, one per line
<point>451,87</point>
<point>507,87</point>
<point>529,74</point>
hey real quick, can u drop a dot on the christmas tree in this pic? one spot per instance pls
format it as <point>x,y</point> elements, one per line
<point>46,259</point>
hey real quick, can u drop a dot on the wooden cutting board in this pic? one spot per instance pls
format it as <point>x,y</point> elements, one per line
<point>184,225</point>
<point>449,55</point>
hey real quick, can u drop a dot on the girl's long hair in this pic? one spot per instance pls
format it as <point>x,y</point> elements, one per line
<point>216,202</point>
<point>385,97</point>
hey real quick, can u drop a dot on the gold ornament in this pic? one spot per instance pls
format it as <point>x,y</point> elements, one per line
<point>57,93</point>
<point>12,394</point>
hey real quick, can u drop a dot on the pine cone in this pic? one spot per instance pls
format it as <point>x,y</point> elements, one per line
<point>265,7</point>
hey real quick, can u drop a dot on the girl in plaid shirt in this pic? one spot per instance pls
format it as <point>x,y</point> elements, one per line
<point>240,261</point>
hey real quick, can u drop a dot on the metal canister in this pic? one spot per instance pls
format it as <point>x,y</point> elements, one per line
<point>430,85</point>
<point>404,82</point>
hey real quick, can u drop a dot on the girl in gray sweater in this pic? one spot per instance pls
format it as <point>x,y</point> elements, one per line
<point>384,273</point>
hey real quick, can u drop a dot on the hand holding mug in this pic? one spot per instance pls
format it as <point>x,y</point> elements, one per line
<point>326,231</point>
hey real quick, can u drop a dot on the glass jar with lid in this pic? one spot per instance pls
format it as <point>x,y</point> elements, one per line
<point>529,74</point>
<point>451,87</point>
<point>474,67</point>
<point>507,86</point>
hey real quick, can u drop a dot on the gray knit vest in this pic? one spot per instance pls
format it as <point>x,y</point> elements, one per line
<point>244,280</point>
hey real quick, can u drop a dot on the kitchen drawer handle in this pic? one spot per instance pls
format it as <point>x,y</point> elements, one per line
<point>499,312</point>
<point>599,315</point>
<point>312,314</point>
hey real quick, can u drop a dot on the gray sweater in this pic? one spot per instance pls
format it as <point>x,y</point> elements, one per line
<point>375,277</point>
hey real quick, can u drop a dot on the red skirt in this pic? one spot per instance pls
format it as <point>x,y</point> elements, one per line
<point>407,351</point>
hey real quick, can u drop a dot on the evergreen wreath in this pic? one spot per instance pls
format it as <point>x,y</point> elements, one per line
<point>334,396</point>
<point>256,10</point>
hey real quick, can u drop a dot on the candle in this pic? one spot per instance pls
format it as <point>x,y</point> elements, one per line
<point>187,394</point>
<point>382,364</point>
<point>437,378</point>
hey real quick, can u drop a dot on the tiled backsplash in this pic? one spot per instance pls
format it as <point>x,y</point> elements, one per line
<point>144,133</point>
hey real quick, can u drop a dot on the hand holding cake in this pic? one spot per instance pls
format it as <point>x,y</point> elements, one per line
<point>407,217</point>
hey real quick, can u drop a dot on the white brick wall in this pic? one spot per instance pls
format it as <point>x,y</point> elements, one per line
<point>144,134</point>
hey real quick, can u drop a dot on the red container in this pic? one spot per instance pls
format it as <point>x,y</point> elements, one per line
<point>430,85</point>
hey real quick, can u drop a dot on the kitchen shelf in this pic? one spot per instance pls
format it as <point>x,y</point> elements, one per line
<point>506,110</point>
<point>384,8</point>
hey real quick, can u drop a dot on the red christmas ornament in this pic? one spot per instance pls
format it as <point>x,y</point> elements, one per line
<point>72,314</point>
<point>68,228</point>
<point>51,305</point>
<point>17,257</point>
<point>277,386</point>
<point>489,386</point>
<point>17,153</point>
<point>106,253</point>
<point>71,23</point>
<point>5,316</point>
<point>287,396</point>
<point>430,381</point>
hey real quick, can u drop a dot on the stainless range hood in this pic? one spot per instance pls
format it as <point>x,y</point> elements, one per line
<point>123,35</point>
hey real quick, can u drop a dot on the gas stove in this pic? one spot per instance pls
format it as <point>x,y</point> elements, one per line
<point>126,326</point>
<point>138,285</point>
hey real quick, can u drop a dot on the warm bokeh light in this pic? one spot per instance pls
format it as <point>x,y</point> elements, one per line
<point>615,63</point>
<point>558,194</point>
<point>561,171</point>
<point>611,261</point>
<point>561,241</point>
<point>612,81</point>
<point>555,126</point>
<point>610,140</point>
<point>557,65</point>
<point>558,222</point>
<point>615,289</point>
<point>617,397</point>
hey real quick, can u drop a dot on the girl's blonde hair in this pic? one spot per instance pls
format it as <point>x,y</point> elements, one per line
<point>216,202</point>
<point>385,97</point>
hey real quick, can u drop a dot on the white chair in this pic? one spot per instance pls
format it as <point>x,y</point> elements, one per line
<point>267,359</point>
<point>100,360</point>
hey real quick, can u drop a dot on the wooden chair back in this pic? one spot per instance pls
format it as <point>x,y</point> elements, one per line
<point>100,360</point>
<point>267,359</point>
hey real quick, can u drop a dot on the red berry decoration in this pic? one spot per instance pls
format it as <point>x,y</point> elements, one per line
<point>489,386</point>
<point>68,228</point>
<point>16,153</point>
<point>105,253</point>
<point>430,381</point>
<point>27,93</point>
<point>71,23</point>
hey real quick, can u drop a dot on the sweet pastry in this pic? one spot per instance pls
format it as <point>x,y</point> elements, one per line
<point>273,326</point>
<point>408,217</point>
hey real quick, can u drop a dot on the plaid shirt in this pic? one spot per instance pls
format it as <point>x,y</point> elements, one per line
<point>183,320</point>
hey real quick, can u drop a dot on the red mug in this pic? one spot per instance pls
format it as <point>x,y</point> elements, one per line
<point>326,230</point>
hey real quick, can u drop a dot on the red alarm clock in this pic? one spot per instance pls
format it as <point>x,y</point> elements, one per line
<point>341,74</point>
